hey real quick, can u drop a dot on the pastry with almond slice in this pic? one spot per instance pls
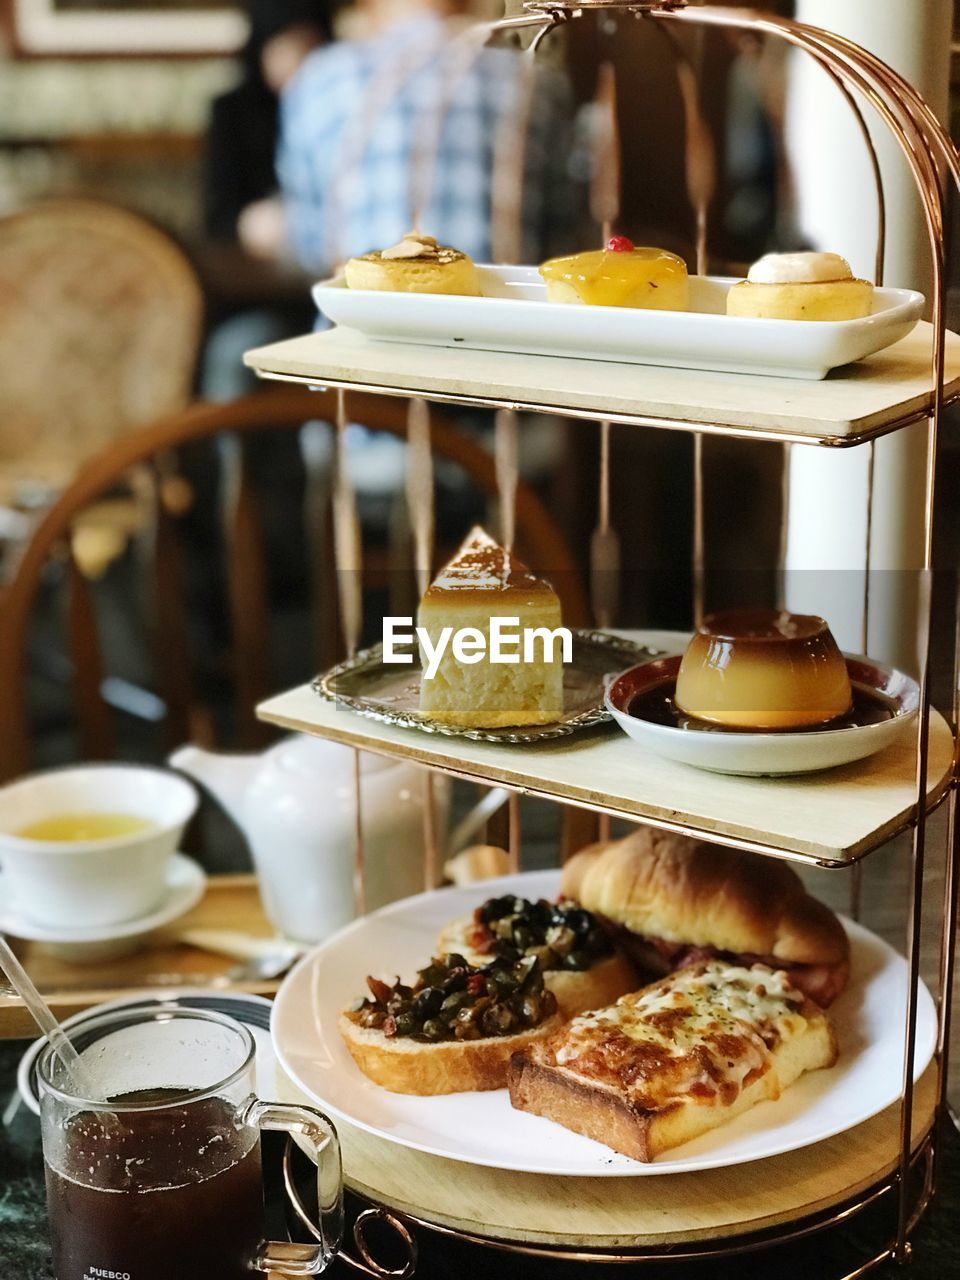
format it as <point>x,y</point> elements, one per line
<point>417,264</point>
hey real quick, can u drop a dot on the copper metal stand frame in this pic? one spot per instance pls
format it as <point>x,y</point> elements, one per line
<point>933,162</point>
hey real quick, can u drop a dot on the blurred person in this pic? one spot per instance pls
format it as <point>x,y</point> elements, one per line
<point>351,151</point>
<point>241,209</point>
<point>344,198</point>
<point>243,130</point>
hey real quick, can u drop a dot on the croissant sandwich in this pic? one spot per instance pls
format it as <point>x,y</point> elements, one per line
<point>670,901</point>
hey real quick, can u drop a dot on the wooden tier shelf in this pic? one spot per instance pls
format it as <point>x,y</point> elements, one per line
<point>831,818</point>
<point>853,404</point>
<point>642,1213</point>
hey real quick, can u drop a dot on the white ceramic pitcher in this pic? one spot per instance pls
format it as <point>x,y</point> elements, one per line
<point>295,805</point>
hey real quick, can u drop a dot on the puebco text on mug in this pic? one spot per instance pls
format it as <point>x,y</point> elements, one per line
<point>506,643</point>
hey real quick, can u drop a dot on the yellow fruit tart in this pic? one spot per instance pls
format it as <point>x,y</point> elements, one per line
<point>621,275</point>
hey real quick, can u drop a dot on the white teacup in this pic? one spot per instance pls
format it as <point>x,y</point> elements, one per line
<point>91,882</point>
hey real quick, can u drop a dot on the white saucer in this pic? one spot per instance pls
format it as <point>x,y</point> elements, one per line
<point>765,753</point>
<point>185,886</point>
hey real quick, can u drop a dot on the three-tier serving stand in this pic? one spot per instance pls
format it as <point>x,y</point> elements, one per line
<point>829,820</point>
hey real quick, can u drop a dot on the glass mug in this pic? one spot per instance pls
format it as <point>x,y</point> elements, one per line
<point>164,1180</point>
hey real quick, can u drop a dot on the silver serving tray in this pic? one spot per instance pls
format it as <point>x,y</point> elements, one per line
<point>391,693</point>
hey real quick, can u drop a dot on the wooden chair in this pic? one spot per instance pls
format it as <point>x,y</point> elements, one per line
<point>538,539</point>
<point>100,325</point>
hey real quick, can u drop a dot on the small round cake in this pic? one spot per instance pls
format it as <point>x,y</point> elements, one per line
<point>417,264</point>
<point>763,669</point>
<point>619,276</point>
<point>801,286</point>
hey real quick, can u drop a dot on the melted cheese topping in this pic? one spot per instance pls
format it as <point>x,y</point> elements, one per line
<point>799,268</point>
<point>698,1036</point>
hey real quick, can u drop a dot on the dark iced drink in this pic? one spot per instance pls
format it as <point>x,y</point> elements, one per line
<point>169,1193</point>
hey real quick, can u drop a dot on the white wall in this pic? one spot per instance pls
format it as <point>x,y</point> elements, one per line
<point>836,209</point>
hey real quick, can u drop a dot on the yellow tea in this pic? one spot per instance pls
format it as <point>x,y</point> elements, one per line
<point>85,826</point>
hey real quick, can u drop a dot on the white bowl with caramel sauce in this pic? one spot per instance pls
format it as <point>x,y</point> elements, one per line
<point>780,718</point>
<point>763,669</point>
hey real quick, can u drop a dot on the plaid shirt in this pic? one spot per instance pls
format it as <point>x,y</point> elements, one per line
<point>356,138</point>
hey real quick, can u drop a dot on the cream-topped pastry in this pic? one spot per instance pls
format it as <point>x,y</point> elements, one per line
<point>416,264</point>
<point>481,582</point>
<point>801,286</point>
<point>799,268</point>
<point>763,669</point>
<point>621,275</point>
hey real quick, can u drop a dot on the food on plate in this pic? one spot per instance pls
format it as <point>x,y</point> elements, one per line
<point>418,264</point>
<point>621,275</point>
<point>668,1063</point>
<point>579,963</point>
<point>672,901</point>
<point>801,286</point>
<point>453,1029</point>
<point>763,669</point>
<point>477,862</point>
<point>481,583</point>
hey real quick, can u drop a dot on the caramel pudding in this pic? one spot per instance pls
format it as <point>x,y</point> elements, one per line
<point>416,264</point>
<point>801,286</point>
<point>763,669</point>
<point>619,276</point>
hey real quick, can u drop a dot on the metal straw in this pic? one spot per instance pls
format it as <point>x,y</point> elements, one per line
<point>43,1016</point>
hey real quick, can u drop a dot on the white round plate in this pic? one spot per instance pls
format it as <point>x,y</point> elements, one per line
<point>761,753</point>
<point>185,885</point>
<point>483,1129</point>
<point>253,1011</point>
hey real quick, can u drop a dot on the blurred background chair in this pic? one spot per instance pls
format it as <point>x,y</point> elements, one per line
<point>100,330</point>
<point>216,631</point>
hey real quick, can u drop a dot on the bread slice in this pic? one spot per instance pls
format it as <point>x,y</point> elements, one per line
<point>676,890</point>
<point>404,1065</point>
<point>576,990</point>
<point>674,1061</point>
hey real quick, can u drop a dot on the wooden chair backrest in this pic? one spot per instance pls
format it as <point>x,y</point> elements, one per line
<point>100,325</point>
<point>538,539</point>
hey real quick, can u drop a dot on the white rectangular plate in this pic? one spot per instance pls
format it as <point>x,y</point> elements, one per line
<point>514,315</point>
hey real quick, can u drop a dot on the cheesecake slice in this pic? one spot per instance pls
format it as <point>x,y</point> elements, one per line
<point>481,582</point>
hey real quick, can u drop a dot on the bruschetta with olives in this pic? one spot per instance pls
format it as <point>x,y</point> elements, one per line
<point>453,1029</point>
<point>580,965</point>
